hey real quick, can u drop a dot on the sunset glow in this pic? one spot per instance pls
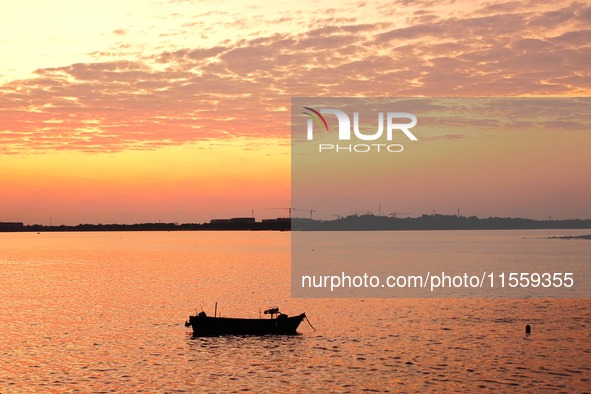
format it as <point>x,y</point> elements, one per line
<point>178,111</point>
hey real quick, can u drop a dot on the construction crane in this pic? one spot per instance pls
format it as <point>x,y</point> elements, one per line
<point>286,209</point>
<point>307,210</point>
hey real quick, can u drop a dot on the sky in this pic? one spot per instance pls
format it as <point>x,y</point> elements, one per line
<point>179,111</point>
<point>507,156</point>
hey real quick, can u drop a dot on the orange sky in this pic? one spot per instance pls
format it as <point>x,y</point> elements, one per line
<point>179,111</point>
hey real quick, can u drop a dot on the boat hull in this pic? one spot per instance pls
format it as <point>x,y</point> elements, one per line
<point>213,326</point>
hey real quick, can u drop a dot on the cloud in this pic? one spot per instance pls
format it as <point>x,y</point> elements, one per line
<point>241,87</point>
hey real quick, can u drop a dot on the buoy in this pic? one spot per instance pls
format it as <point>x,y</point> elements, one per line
<point>527,329</point>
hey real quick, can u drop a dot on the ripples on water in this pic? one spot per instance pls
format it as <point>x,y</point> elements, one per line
<point>105,313</point>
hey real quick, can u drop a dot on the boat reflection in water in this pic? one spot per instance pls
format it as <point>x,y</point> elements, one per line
<point>278,324</point>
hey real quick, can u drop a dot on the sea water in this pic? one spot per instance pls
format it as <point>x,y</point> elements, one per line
<point>105,312</point>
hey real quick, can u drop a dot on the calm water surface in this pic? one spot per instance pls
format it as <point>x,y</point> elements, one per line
<point>104,312</point>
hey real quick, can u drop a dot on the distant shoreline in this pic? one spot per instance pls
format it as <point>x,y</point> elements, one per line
<point>587,236</point>
<point>350,223</point>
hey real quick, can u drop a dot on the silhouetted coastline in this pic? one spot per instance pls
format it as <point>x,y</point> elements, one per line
<point>434,222</point>
<point>279,224</point>
<point>349,223</point>
<point>587,236</point>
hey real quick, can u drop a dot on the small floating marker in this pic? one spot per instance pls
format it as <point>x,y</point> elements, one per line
<point>527,329</point>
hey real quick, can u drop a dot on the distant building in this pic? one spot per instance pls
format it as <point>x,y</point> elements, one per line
<point>11,226</point>
<point>233,221</point>
<point>248,224</point>
<point>282,224</point>
<point>232,224</point>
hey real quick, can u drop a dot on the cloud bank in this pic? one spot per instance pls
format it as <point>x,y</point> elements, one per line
<point>241,86</point>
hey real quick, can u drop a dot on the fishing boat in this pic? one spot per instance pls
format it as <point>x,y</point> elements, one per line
<point>277,324</point>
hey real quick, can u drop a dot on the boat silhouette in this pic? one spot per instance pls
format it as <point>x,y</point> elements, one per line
<point>277,324</point>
